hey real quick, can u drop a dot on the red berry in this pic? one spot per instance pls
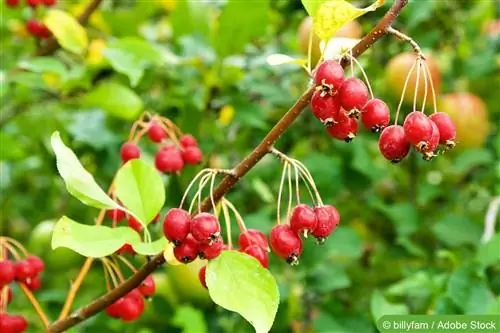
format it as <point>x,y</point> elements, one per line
<point>126,248</point>
<point>147,287</point>
<point>192,155</point>
<point>130,310</point>
<point>36,263</point>
<point>129,151</point>
<point>188,140</point>
<point>7,272</point>
<point>34,27</point>
<point>13,324</point>
<point>12,3</point>
<point>428,151</point>
<point>116,215</point>
<point>328,218</point>
<point>136,296</point>
<point>329,73</point>
<point>393,143</point>
<point>345,130</point>
<point>134,224</point>
<point>375,115</point>
<point>258,253</point>
<point>418,129</point>
<point>176,225</point>
<point>205,228</point>
<point>353,95</point>
<point>33,3</point>
<point>49,2</point>
<point>285,243</point>
<point>156,132</point>
<point>24,271</point>
<point>44,32</point>
<point>187,250</point>
<point>169,160</point>
<point>253,237</point>
<point>325,107</point>
<point>303,219</point>
<point>115,309</point>
<point>446,127</point>
<point>202,275</point>
<point>34,283</point>
<point>210,250</point>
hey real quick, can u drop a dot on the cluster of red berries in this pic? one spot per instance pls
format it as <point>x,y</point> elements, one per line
<point>339,102</point>
<point>422,132</point>
<point>25,271</point>
<point>33,26</point>
<point>131,306</point>
<point>319,221</point>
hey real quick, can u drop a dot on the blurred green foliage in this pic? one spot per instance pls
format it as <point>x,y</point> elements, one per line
<point>409,240</point>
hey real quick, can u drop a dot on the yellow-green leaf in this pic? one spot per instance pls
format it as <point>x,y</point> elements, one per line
<point>332,15</point>
<point>68,32</point>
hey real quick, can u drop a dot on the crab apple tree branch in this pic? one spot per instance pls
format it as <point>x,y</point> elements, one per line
<point>229,181</point>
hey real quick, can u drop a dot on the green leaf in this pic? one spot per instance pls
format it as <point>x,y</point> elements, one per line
<point>43,65</point>
<point>489,253</point>
<point>115,99</point>
<point>149,249</point>
<point>471,159</point>
<point>380,306</point>
<point>239,283</point>
<point>79,181</point>
<point>192,16</point>
<point>327,278</point>
<point>454,230</point>
<point>404,216</point>
<point>140,188</point>
<point>95,241</point>
<point>312,6</point>
<point>344,243</point>
<point>68,32</point>
<point>189,319</point>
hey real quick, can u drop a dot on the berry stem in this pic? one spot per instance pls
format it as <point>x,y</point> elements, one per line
<point>36,305</point>
<point>415,94</point>
<point>403,93</point>
<point>434,100</point>
<point>106,278</point>
<point>127,263</point>
<point>191,184</point>
<point>425,85</point>
<point>10,249</point>
<point>16,244</point>
<point>110,271</point>
<point>76,285</point>
<point>364,74</point>
<point>227,221</point>
<point>406,38</point>
<point>297,189</point>
<point>278,206</point>
<point>290,191</point>
<point>239,219</point>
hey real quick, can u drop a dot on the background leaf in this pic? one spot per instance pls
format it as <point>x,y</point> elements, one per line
<point>380,306</point>
<point>68,32</point>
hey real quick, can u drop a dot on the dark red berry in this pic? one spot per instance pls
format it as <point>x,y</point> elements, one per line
<point>130,310</point>
<point>258,253</point>
<point>34,283</point>
<point>353,95</point>
<point>33,3</point>
<point>115,309</point>
<point>147,287</point>
<point>393,143</point>
<point>303,219</point>
<point>116,215</point>
<point>418,129</point>
<point>126,248</point>
<point>169,160</point>
<point>345,130</point>
<point>176,225</point>
<point>44,32</point>
<point>253,237</point>
<point>446,127</point>
<point>49,3</point>
<point>205,228</point>
<point>328,218</point>
<point>136,296</point>
<point>375,115</point>
<point>36,263</point>
<point>156,132</point>
<point>24,271</point>
<point>428,151</point>
<point>285,243</point>
<point>7,272</point>
<point>34,27</point>
<point>13,324</point>
<point>330,74</point>
<point>202,275</point>
<point>188,140</point>
<point>12,3</point>
<point>134,224</point>
<point>129,151</point>
<point>325,107</point>
<point>210,250</point>
<point>187,250</point>
<point>192,155</point>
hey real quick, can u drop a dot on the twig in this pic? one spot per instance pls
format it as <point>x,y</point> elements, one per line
<point>408,39</point>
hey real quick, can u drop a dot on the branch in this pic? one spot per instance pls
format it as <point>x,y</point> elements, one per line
<point>52,45</point>
<point>229,181</point>
<point>408,39</point>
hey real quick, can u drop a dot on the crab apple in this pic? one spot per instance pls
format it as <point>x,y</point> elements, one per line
<point>34,283</point>
<point>418,129</point>
<point>176,225</point>
<point>7,272</point>
<point>202,275</point>
<point>446,127</point>
<point>24,271</point>
<point>33,3</point>
<point>12,3</point>
<point>129,151</point>
<point>34,27</point>
<point>130,310</point>
<point>187,140</point>
<point>12,323</point>
<point>169,160</point>
<point>36,263</point>
<point>156,132</point>
<point>258,253</point>
<point>187,250</point>
<point>205,228</point>
<point>49,3</point>
<point>353,95</point>
<point>303,219</point>
<point>147,287</point>
<point>211,250</point>
<point>428,152</point>
<point>44,32</point>
<point>325,107</point>
<point>375,115</point>
<point>192,155</point>
<point>114,309</point>
<point>253,237</point>
<point>328,218</point>
<point>285,243</point>
<point>134,224</point>
<point>126,248</point>
<point>329,74</point>
<point>116,214</point>
<point>393,143</point>
<point>345,130</point>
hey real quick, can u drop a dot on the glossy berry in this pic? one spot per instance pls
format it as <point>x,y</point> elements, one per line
<point>418,129</point>
<point>7,272</point>
<point>375,115</point>
<point>12,323</point>
<point>192,155</point>
<point>36,263</point>
<point>353,95</point>
<point>156,132</point>
<point>328,218</point>
<point>187,250</point>
<point>169,160</point>
<point>446,127</point>
<point>428,151</point>
<point>134,224</point>
<point>34,27</point>
<point>33,3</point>
<point>147,287</point>
<point>116,215</point>
<point>393,143</point>
<point>176,225</point>
<point>34,283</point>
<point>211,250</point>
<point>188,140</point>
<point>44,32</point>
<point>205,228</point>
<point>129,151</point>
<point>126,248</point>
<point>130,310</point>
<point>24,271</point>
<point>114,309</point>
<point>330,74</point>
<point>345,130</point>
<point>326,108</point>
<point>202,275</point>
<point>49,3</point>
<point>258,253</point>
<point>253,237</point>
<point>285,243</point>
<point>12,3</point>
<point>303,219</point>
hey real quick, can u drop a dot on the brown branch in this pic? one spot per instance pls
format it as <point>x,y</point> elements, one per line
<point>52,45</point>
<point>228,182</point>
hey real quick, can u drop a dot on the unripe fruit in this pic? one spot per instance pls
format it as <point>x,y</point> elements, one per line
<point>325,107</point>
<point>7,272</point>
<point>116,215</point>
<point>156,132</point>
<point>36,263</point>
<point>134,224</point>
<point>211,250</point>
<point>192,155</point>
<point>169,160</point>
<point>393,143</point>
<point>418,129</point>
<point>202,275</point>
<point>345,130</point>
<point>253,237</point>
<point>375,115</point>
<point>285,243</point>
<point>330,75</point>
<point>205,228</point>
<point>353,95</point>
<point>34,283</point>
<point>147,287</point>
<point>258,253</point>
<point>188,140</point>
<point>24,271</point>
<point>176,225</point>
<point>129,151</point>
<point>187,250</point>
<point>303,219</point>
<point>446,127</point>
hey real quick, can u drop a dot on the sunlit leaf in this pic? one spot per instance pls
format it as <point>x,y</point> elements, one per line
<point>149,249</point>
<point>68,32</point>
<point>335,47</point>
<point>280,59</point>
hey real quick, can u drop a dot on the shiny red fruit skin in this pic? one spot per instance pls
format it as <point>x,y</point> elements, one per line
<point>187,251</point>
<point>345,130</point>
<point>176,225</point>
<point>375,115</point>
<point>418,128</point>
<point>24,271</point>
<point>114,309</point>
<point>210,251</point>
<point>285,243</point>
<point>353,94</point>
<point>192,155</point>
<point>147,287</point>
<point>303,219</point>
<point>33,3</point>
<point>34,283</point>
<point>202,275</point>
<point>12,3</point>
<point>7,272</point>
<point>116,215</point>
<point>328,218</point>
<point>36,263</point>
<point>331,72</point>
<point>126,248</point>
<point>129,151</point>
<point>325,108</point>
<point>169,161</point>
<point>205,227</point>
<point>428,151</point>
<point>446,127</point>
<point>130,310</point>
<point>188,140</point>
<point>12,323</point>
<point>34,27</point>
<point>393,143</point>
<point>44,32</point>
<point>156,132</point>
<point>258,253</point>
<point>134,224</point>
<point>253,237</point>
